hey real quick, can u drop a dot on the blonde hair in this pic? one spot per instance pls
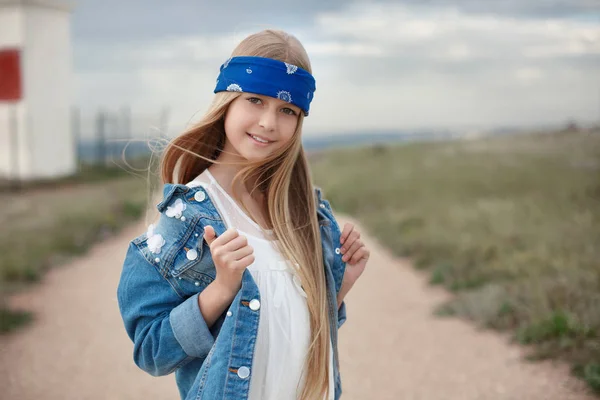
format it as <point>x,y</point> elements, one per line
<point>285,179</point>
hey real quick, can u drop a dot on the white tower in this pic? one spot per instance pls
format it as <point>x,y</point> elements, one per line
<point>35,124</point>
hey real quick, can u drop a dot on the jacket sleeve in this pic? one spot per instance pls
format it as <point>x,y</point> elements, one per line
<point>167,331</point>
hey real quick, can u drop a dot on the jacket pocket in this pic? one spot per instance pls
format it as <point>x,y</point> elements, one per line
<point>193,267</point>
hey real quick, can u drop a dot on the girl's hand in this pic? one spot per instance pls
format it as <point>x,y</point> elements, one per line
<point>231,255</point>
<point>355,254</point>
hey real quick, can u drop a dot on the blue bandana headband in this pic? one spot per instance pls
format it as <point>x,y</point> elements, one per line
<point>268,77</point>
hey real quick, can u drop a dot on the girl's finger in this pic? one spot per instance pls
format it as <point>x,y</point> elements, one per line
<point>355,246</point>
<point>244,262</point>
<point>225,238</point>
<point>209,234</point>
<point>241,253</point>
<point>347,229</point>
<point>236,243</point>
<point>354,235</point>
<point>359,255</point>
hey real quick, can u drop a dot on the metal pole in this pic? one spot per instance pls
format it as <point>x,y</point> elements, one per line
<point>125,132</point>
<point>13,132</point>
<point>76,129</point>
<point>101,137</point>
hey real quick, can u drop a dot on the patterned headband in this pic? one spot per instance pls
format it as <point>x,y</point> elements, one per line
<point>268,77</point>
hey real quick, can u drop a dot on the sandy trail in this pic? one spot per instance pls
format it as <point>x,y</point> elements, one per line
<point>391,346</point>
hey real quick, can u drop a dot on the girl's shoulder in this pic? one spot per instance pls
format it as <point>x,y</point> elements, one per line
<point>178,197</point>
<point>182,205</point>
<point>184,211</point>
<point>174,242</point>
<point>177,232</point>
<point>324,209</point>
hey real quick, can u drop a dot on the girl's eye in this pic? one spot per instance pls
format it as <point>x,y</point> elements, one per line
<point>254,100</point>
<point>289,111</point>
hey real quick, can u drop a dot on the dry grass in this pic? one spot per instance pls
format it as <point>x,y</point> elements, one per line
<point>44,226</point>
<point>511,225</point>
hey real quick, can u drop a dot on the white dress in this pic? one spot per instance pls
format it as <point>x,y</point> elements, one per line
<point>284,327</point>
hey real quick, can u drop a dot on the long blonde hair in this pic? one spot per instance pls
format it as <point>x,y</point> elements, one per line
<point>284,178</point>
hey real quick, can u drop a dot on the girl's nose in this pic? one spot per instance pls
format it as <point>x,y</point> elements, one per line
<point>268,120</point>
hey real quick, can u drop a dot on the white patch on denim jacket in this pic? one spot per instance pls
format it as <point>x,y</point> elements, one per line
<point>155,242</point>
<point>176,210</point>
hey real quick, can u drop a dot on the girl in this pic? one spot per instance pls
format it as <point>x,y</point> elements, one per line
<point>239,286</point>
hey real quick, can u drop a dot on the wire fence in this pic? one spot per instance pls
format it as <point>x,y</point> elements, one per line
<point>102,136</point>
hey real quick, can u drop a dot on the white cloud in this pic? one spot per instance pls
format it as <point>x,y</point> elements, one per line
<point>335,48</point>
<point>528,75</point>
<point>457,52</point>
<point>441,67</point>
<point>384,67</point>
<point>428,32</point>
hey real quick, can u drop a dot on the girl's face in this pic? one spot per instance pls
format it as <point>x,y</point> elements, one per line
<point>256,125</point>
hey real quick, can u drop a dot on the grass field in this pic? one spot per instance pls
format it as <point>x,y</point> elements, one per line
<point>46,224</point>
<point>511,225</point>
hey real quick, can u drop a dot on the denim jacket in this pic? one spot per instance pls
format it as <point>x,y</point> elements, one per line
<point>164,271</point>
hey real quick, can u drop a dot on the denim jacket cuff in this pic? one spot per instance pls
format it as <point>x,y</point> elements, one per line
<point>342,314</point>
<point>190,329</point>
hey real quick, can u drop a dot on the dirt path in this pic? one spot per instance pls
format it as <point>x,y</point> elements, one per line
<point>391,347</point>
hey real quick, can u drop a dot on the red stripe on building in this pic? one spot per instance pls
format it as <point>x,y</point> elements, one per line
<point>10,75</point>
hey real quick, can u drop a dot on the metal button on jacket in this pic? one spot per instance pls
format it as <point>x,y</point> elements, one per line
<point>192,254</point>
<point>254,304</point>
<point>243,372</point>
<point>200,196</point>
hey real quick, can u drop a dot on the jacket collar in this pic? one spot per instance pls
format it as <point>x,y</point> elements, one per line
<point>171,190</point>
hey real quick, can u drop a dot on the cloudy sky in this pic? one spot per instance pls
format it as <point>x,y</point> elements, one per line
<point>379,65</point>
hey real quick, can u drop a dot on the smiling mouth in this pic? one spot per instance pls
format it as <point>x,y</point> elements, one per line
<point>259,140</point>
